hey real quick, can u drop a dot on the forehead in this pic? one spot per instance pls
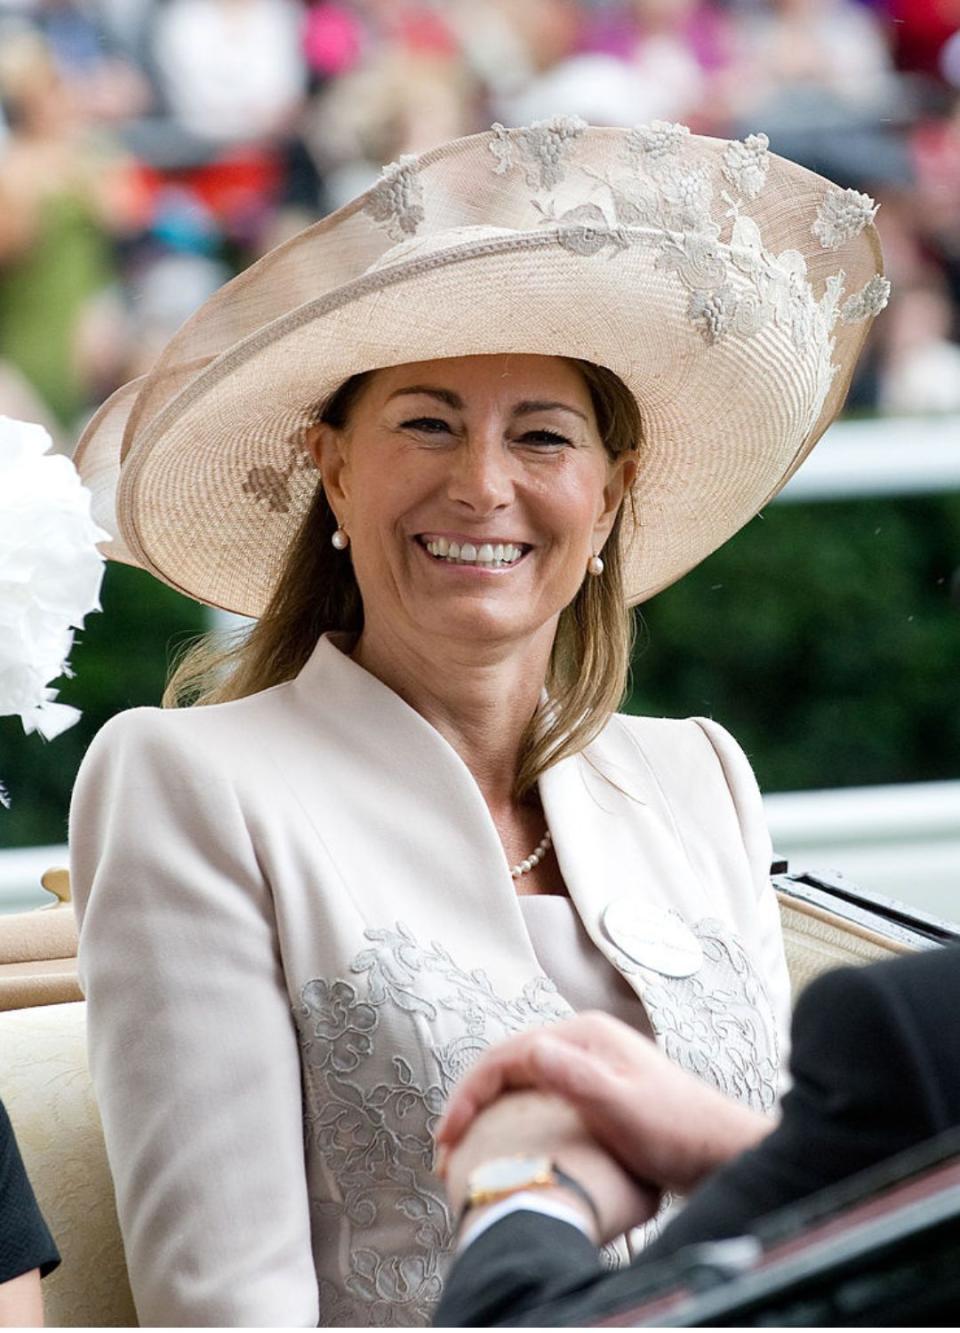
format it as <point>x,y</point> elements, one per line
<point>482,380</point>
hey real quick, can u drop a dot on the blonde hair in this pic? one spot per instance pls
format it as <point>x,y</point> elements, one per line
<point>317,592</point>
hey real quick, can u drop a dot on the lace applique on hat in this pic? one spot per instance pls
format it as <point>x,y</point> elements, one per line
<point>397,198</point>
<point>542,148</point>
<point>746,163</point>
<point>867,302</point>
<point>272,484</point>
<point>656,141</point>
<point>842,216</point>
<point>584,230</point>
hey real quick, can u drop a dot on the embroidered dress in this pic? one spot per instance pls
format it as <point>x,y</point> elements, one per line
<point>298,928</point>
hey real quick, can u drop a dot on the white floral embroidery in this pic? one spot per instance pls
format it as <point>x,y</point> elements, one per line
<point>842,215</point>
<point>659,139</point>
<point>380,1052</point>
<point>397,198</point>
<point>867,302</point>
<point>542,147</point>
<point>376,1135</point>
<point>698,257</point>
<point>584,230</point>
<point>746,163</point>
<point>717,1023</point>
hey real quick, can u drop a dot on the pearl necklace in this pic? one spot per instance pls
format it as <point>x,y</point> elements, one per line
<point>535,857</point>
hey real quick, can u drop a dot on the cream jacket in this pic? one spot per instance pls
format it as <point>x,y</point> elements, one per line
<point>298,928</point>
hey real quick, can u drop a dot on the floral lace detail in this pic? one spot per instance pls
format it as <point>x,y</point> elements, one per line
<point>658,140</point>
<point>397,198</point>
<point>842,216</point>
<point>867,302</point>
<point>735,285</point>
<point>272,484</point>
<point>717,1023</point>
<point>746,163</point>
<point>542,148</point>
<point>376,1135</point>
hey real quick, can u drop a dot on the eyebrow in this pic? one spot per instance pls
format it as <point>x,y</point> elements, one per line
<point>451,399</point>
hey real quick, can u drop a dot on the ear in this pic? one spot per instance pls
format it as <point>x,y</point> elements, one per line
<point>622,474</point>
<point>327,447</point>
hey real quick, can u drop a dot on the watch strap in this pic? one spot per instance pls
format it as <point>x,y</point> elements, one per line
<point>559,1177</point>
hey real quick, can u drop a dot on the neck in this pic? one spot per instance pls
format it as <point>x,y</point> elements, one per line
<point>480,697</point>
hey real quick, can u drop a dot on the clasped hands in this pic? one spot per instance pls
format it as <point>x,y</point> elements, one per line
<point>606,1105</point>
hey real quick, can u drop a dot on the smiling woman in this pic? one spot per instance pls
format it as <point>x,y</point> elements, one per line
<point>437,445</point>
<point>543,453</point>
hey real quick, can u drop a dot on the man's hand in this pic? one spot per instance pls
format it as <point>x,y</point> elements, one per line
<point>531,1124</point>
<point>662,1125</point>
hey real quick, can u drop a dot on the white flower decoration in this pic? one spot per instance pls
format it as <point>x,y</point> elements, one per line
<point>867,302</point>
<point>397,198</point>
<point>842,216</point>
<point>746,163</point>
<point>50,574</point>
<point>659,139</point>
<point>543,146</point>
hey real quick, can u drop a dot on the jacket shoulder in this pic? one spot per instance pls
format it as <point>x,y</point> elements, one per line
<point>189,730</point>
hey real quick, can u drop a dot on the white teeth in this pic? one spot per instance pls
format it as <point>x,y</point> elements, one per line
<point>468,554</point>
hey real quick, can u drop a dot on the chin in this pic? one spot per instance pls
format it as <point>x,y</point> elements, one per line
<point>478,625</point>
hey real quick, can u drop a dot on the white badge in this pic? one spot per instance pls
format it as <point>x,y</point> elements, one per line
<point>654,937</point>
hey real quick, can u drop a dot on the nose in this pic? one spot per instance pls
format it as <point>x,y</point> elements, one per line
<point>481,475</point>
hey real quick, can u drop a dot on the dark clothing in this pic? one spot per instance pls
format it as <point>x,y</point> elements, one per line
<point>25,1242</point>
<point>876,1069</point>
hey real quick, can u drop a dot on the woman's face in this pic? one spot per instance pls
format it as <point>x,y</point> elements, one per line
<point>474,490</point>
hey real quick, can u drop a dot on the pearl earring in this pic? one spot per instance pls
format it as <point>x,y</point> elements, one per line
<point>340,541</point>
<point>595,565</point>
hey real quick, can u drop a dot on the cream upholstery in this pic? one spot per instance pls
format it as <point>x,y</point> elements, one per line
<point>45,1087</point>
<point>38,951</point>
<point>817,940</point>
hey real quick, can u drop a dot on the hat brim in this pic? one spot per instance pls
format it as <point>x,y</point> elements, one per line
<point>214,478</point>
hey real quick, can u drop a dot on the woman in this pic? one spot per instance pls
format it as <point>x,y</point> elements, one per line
<point>541,373</point>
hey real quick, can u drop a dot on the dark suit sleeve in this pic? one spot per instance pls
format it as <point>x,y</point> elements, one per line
<point>517,1265</point>
<point>876,1070</point>
<point>25,1242</point>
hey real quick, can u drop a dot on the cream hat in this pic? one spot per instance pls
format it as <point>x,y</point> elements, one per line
<point>729,289</point>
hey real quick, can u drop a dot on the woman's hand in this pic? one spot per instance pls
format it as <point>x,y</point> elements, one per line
<point>662,1125</point>
<point>533,1124</point>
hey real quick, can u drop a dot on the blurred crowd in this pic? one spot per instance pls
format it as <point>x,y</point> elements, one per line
<point>151,148</point>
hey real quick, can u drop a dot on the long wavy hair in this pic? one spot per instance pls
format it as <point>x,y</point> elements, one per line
<point>317,592</point>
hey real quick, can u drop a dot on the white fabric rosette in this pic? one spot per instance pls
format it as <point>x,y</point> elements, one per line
<point>50,574</point>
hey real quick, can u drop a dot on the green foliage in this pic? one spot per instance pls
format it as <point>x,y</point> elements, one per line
<point>120,661</point>
<point>826,637</point>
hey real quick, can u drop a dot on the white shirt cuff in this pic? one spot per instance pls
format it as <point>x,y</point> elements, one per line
<point>528,1201</point>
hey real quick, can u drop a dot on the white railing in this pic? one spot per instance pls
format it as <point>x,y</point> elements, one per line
<point>902,841</point>
<point>881,456</point>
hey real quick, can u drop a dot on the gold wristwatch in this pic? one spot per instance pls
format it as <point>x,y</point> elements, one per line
<point>502,1176</point>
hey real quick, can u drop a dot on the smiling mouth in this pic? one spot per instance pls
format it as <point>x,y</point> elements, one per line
<point>484,555</point>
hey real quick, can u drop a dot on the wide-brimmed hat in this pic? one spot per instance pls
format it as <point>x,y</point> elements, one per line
<point>729,289</point>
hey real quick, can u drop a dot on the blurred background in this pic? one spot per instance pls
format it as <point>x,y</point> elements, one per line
<point>149,149</point>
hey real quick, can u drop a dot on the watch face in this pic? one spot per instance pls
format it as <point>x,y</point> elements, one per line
<point>509,1173</point>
